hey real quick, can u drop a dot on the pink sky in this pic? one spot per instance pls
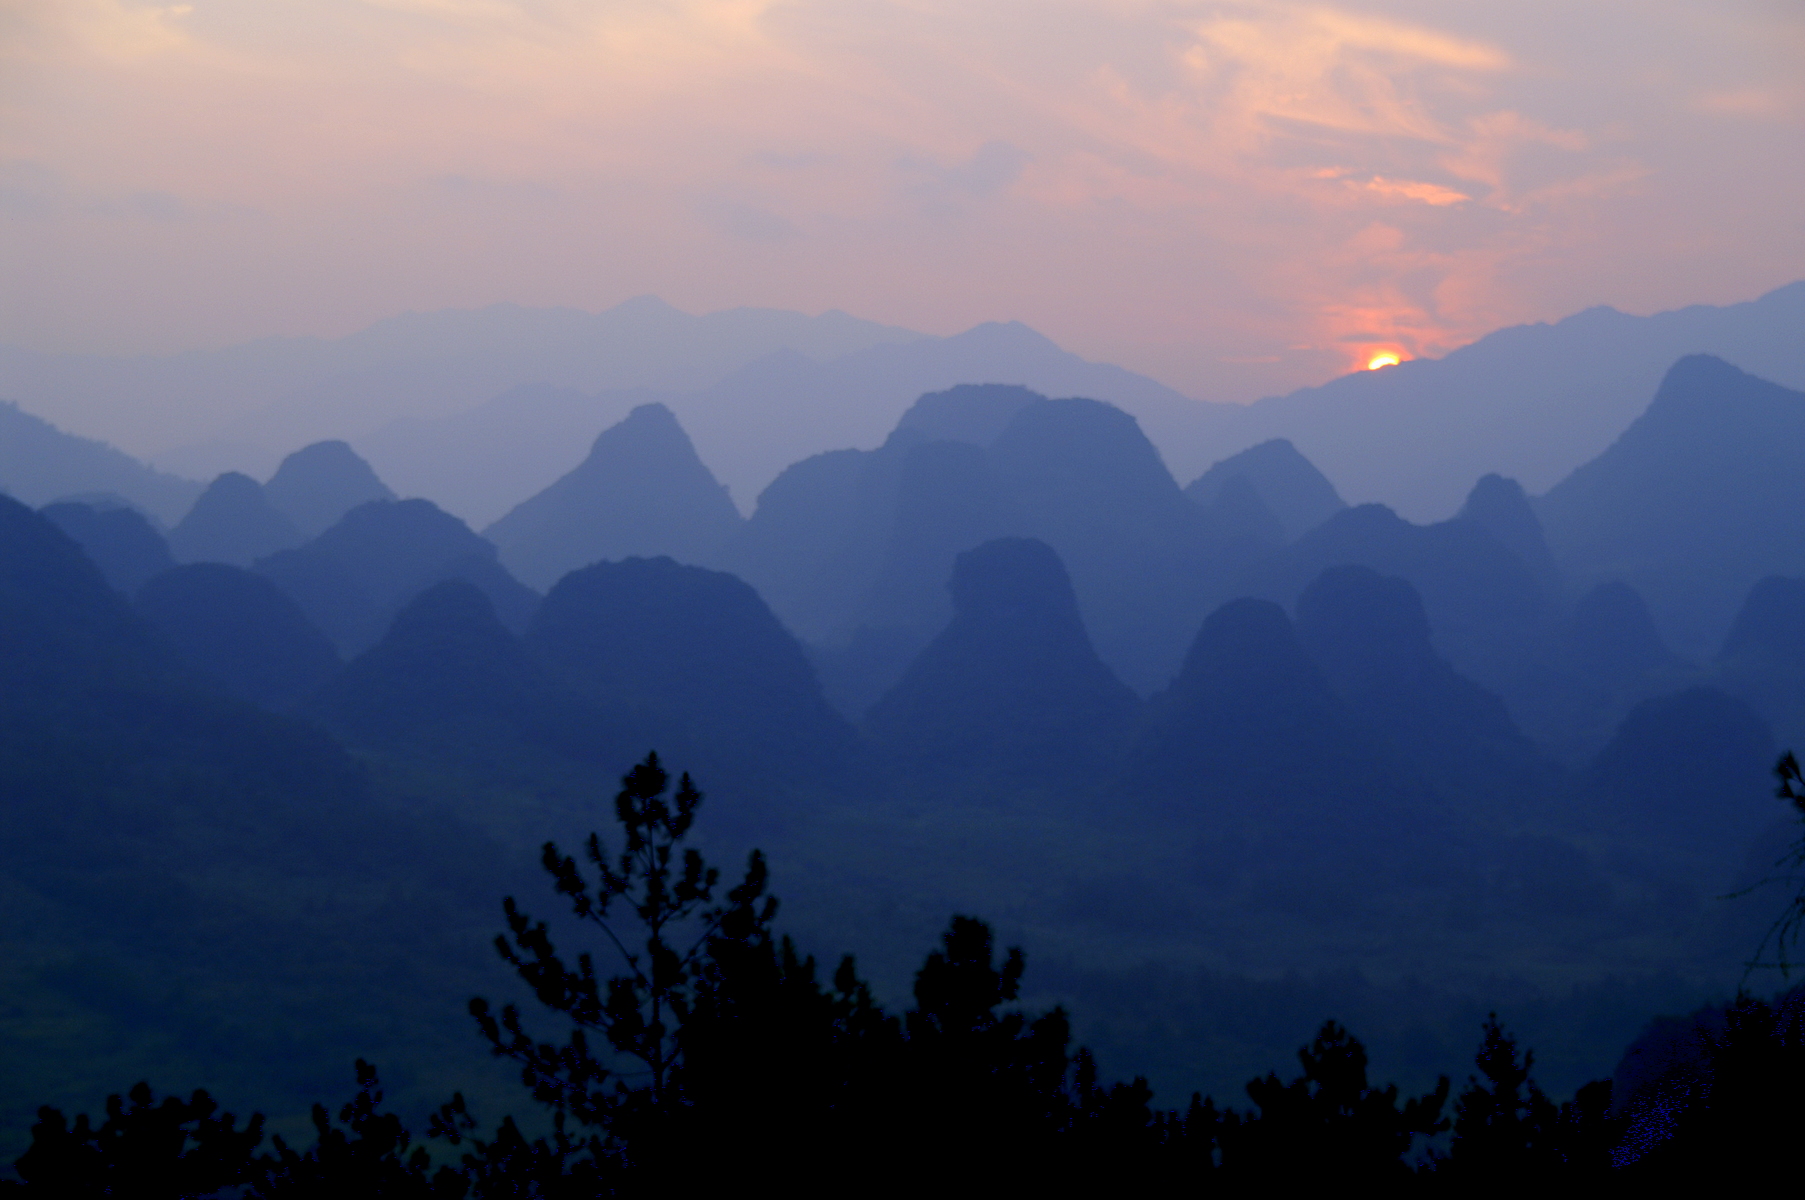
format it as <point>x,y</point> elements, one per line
<point>1234,198</point>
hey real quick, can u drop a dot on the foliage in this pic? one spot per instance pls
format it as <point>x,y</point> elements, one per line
<point>1329,1121</point>
<point>676,923</point>
<point>366,1151</point>
<point>145,1148</point>
<point>1782,938</point>
<point>1507,1130</point>
<point>1738,1102</point>
<point>712,1051</point>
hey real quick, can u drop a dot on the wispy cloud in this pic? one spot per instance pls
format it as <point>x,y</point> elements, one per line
<point>1177,183</point>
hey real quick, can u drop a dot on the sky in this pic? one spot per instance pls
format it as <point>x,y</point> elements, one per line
<point>1236,198</point>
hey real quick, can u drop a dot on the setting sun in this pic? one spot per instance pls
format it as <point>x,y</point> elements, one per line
<point>1384,358</point>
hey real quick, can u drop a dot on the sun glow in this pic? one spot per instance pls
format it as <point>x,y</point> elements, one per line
<point>1385,358</point>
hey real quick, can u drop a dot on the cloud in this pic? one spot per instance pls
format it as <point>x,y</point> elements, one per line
<point>1780,102</point>
<point>1176,183</point>
<point>1406,189</point>
<point>749,222</point>
<point>991,168</point>
<point>1329,67</point>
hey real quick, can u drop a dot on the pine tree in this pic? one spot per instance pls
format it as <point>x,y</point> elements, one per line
<point>1329,1123</point>
<point>1504,1127</point>
<point>659,909</point>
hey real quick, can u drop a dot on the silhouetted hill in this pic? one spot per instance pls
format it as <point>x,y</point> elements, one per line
<point>39,463</point>
<point>1499,506</point>
<point>642,491</point>
<point>1763,657</point>
<point>239,632</point>
<point>1688,776</point>
<point>448,679</point>
<point>1287,483</point>
<point>117,539</point>
<point>1581,678</point>
<point>1695,502</point>
<point>767,413</point>
<point>62,627</point>
<point>232,522</point>
<point>1484,606</point>
<point>972,412</point>
<point>1370,636</point>
<point>1088,483</point>
<point>290,391</point>
<point>196,889</point>
<point>700,650</point>
<point>354,578</point>
<point>852,541</point>
<point>815,535</point>
<point>1011,689</point>
<point>1284,792</point>
<point>830,527</point>
<point>947,500</point>
<point>1238,514</point>
<point>318,484</point>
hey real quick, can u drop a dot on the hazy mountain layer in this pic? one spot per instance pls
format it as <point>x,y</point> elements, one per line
<point>318,484</point>
<point>1485,606</point>
<point>859,540</point>
<point>641,492</point>
<point>1695,502</point>
<point>354,578</point>
<point>1011,689</point>
<point>494,404</point>
<point>116,539</point>
<point>239,632</point>
<point>195,889</point>
<point>751,424</point>
<point>40,463</point>
<point>232,522</point>
<point>1530,402</point>
<point>281,392</point>
<point>1288,485</point>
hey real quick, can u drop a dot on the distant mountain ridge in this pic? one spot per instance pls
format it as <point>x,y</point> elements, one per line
<point>641,492</point>
<point>40,463</point>
<point>1531,402</point>
<point>288,391</point>
<point>1697,500</point>
<point>480,409</point>
<point>763,417</point>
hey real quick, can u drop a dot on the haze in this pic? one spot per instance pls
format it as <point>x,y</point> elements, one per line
<point>1237,199</point>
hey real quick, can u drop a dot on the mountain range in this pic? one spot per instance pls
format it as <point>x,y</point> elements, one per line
<point>1000,661</point>
<point>479,410</point>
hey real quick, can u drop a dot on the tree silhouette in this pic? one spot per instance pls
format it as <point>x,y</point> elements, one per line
<point>659,918</point>
<point>1504,1127</point>
<point>711,1031</point>
<point>367,1151</point>
<point>1777,945</point>
<point>709,1051</point>
<point>1329,1123</point>
<point>1508,1132</point>
<point>144,1148</point>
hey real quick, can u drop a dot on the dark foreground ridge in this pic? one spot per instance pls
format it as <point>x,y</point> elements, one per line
<point>716,1051</point>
